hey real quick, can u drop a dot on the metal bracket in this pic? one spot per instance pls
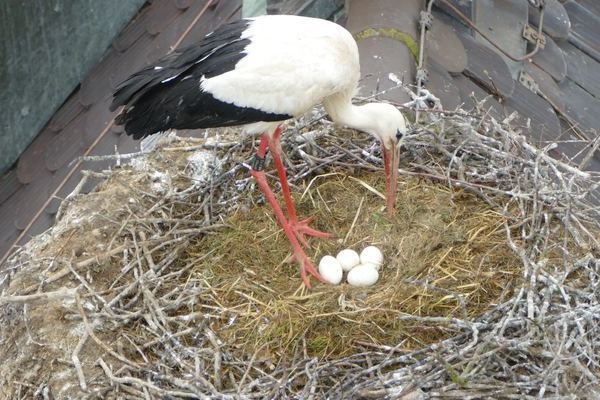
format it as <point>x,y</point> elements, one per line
<point>426,19</point>
<point>527,80</point>
<point>531,34</point>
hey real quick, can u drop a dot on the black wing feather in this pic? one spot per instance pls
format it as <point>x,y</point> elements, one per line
<point>167,95</point>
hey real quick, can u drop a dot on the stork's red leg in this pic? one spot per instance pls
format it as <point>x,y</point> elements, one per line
<point>306,266</point>
<point>391,160</point>
<point>300,227</point>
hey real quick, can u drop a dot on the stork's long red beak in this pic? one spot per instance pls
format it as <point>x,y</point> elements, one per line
<point>391,162</point>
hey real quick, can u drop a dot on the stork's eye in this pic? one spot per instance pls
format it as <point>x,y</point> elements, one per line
<point>399,134</point>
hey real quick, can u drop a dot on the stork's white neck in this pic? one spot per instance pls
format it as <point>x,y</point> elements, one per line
<point>370,118</point>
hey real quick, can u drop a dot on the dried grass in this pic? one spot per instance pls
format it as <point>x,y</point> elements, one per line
<point>447,258</point>
<point>159,286</point>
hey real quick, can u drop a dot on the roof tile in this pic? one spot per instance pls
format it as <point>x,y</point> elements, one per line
<point>551,59</point>
<point>160,16</point>
<point>582,69</point>
<point>487,67</point>
<point>183,4</point>
<point>96,120</point>
<point>442,84</point>
<point>469,89</point>
<point>29,167</point>
<point>27,202</point>
<point>580,105</point>
<point>125,64</point>
<point>444,46</point>
<point>544,122</point>
<point>585,27</point>
<point>592,5</point>
<point>9,184</point>
<point>221,13</point>
<point>546,85</point>
<point>96,83</point>
<point>66,113</point>
<point>133,31</point>
<point>65,146</point>
<point>503,21</point>
<point>556,20</point>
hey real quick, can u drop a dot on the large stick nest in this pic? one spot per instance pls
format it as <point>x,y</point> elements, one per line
<point>171,279</point>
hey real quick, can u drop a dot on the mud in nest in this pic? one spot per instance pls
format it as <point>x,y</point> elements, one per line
<point>445,256</point>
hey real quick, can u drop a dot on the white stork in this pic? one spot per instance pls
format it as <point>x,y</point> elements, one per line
<point>259,72</point>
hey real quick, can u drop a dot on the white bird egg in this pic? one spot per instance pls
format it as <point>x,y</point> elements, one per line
<point>331,270</point>
<point>371,255</point>
<point>348,259</point>
<point>363,275</point>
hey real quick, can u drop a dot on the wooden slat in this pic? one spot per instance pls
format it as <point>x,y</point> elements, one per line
<point>66,146</point>
<point>503,22</point>
<point>442,85</point>
<point>28,201</point>
<point>544,121</point>
<point>444,46</point>
<point>44,222</point>
<point>132,32</point>
<point>487,68</point>
<point>29,166</point>
<point>469,89</point>
<point>585,28</point>
<point>160,16</point>
<point>212,19</point>
<point>66,113</point>
<point>9,232</point>
<point>98,117</point>
<point>123,65</point>
<point>167,38</point>
<point>582,69</point>
<point>9,184</point>
<point>556,19</point>
<point>547,86</point>
<point>580,105</point>
<point>592,6</point>
<point>97,80</point>
<point>551,59</point>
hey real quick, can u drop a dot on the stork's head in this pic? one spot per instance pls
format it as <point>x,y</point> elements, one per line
<point>382,120</point>
<point>388,124</point>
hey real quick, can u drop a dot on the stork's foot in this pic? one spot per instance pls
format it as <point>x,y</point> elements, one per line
<point>307,268</point>
<point>301,229</point>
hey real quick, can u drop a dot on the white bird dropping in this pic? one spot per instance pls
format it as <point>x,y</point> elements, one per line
<point>363,275</point>
<point>331,270</point>
<point>348,259</point>
<point>371,255</point>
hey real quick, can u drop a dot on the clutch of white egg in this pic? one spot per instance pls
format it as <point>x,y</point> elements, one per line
<point>362,270</point>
